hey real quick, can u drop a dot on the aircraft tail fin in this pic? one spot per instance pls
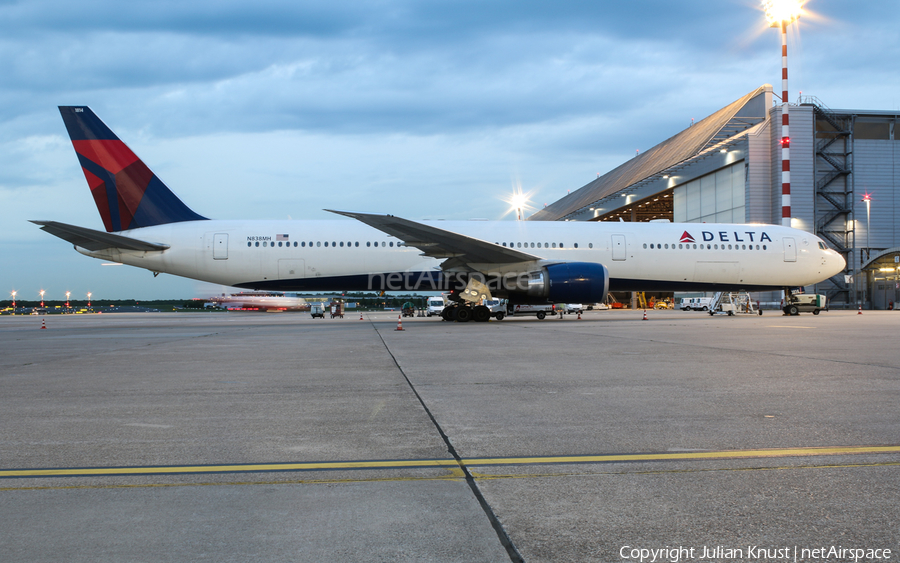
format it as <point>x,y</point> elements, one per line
<point>127,193</point>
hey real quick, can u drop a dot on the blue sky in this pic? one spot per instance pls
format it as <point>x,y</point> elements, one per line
<point>423,109</point>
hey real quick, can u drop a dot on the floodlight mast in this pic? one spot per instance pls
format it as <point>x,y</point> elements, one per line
<point>781,13</point>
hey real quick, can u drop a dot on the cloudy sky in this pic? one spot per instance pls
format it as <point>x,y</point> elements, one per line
<point>425,109</point>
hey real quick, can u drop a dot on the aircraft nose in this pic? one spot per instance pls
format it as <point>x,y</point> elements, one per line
<point>836,263</point>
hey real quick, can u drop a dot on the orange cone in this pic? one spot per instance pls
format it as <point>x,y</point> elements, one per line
<point>399,322</point>
<point>43,324</point>
<point>860,310</point>
<point>360,316</point>
<point>645,315</point>
<point>579,315</point>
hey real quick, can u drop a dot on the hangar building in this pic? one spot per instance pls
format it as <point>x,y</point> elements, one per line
<point>727,169</point>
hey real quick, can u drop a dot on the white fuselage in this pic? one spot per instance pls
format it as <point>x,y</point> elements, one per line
<point>338,255</point>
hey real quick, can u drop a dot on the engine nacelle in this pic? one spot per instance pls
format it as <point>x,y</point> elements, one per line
<point>570,282</point>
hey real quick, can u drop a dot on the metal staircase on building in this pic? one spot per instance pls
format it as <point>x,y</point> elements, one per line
<point>833,169</point>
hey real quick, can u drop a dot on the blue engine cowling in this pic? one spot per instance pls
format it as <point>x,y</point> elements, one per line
<point>574,282</point>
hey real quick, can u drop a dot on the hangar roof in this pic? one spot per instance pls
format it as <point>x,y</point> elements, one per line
<point>738,116</point>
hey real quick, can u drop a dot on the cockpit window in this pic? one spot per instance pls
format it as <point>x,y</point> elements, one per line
<point>822,246</point>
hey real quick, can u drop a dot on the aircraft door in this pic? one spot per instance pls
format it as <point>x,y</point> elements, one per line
<point>220,246</point>
<point>790,249</point>
<point>618,247</point>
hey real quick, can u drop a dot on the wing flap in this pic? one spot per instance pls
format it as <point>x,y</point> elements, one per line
<point>96,240</point>
<point>440,243</point>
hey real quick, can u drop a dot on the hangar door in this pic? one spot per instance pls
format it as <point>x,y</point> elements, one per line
<point>220,246</point>
<point>618,247</point>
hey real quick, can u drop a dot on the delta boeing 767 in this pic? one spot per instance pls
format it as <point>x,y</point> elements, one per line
<point>526,262</point>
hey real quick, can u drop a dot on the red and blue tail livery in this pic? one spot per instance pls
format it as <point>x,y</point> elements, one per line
<point>127,193</point>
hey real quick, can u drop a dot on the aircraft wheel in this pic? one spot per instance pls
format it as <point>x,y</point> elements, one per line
<point>481,314</point>
<point>463,314</point>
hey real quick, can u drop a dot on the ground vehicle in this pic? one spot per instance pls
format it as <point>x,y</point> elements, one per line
<point>317,310</point>
<point>497,307</point>
<point>408,309</point>
<point>337,309</point>
<point>540,311</point>
<point>805,303</point>
<point>574,308</point>
<point>434,306</point>
<point>696,303</point>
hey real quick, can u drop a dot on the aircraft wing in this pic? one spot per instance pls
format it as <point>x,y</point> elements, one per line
<point>440,243</point>
<point>95,240</point>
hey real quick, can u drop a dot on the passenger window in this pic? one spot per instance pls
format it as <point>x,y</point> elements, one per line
<point>342,244</point>
<point>645,245</point>
<point>590,245</point>
<point>554,245</point>
<point>265,243</point>
<point>576,245</point>
<point>539,245</point>
<point>391,245</point>
<point>320,243</point>
<point>249,243</point>
<point>383,244</point>
<point>356,243</point>
<point>520,245</point>
<point>532,245</point>
<point>279,244</point>
<point>326,244</point>
<point>257,243</point>
<point>561,245</point>
<point>333,243</point>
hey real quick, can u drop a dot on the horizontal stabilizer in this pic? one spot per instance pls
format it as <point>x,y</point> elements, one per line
<point>96,240</point>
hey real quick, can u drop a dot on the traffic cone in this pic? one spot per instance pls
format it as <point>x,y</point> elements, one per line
<point>579,315</point>
<point>399,322</point>
<point>360,316</point>
<point>645,315</point>
<point>860,310</point>
<point>43,324</point>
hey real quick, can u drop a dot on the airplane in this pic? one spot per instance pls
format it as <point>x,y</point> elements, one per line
<point>260,301</point>
<point>148,226</point>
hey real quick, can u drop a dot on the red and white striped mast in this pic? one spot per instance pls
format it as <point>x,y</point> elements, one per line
<point>781,13</point>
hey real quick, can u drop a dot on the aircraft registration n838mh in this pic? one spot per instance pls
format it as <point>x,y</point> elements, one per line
<point>526,262</point>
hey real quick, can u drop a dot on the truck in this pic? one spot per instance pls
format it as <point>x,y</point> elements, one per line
<point>696,303</point>
<point>540,311</point>
<point>317,310</point>
<point>408,309</point>
<point>805,303</point>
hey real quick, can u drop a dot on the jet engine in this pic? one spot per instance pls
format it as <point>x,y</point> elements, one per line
<point>570,282</point>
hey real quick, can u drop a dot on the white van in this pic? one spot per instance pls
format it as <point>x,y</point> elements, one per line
<point>434,306</point>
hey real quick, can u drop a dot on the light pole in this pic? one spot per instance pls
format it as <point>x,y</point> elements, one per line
<point>867,198</point>
<point>89,299</point>
<point>14,301</point>
<point>68,293</point>
<point>781,13</point>
<point>42,292</point>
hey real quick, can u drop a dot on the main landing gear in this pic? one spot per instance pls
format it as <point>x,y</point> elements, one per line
<point>464,313</point>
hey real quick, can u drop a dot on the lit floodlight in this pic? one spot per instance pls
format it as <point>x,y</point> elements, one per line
<point>519,201</point>
<point>782,12</point>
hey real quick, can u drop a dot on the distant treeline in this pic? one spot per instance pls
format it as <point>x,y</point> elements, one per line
<point>369,301</point>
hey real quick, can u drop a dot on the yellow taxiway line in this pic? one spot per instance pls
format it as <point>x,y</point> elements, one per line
<point>442,463</point>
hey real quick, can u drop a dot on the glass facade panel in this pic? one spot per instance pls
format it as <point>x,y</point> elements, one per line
<point>715,198</point>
